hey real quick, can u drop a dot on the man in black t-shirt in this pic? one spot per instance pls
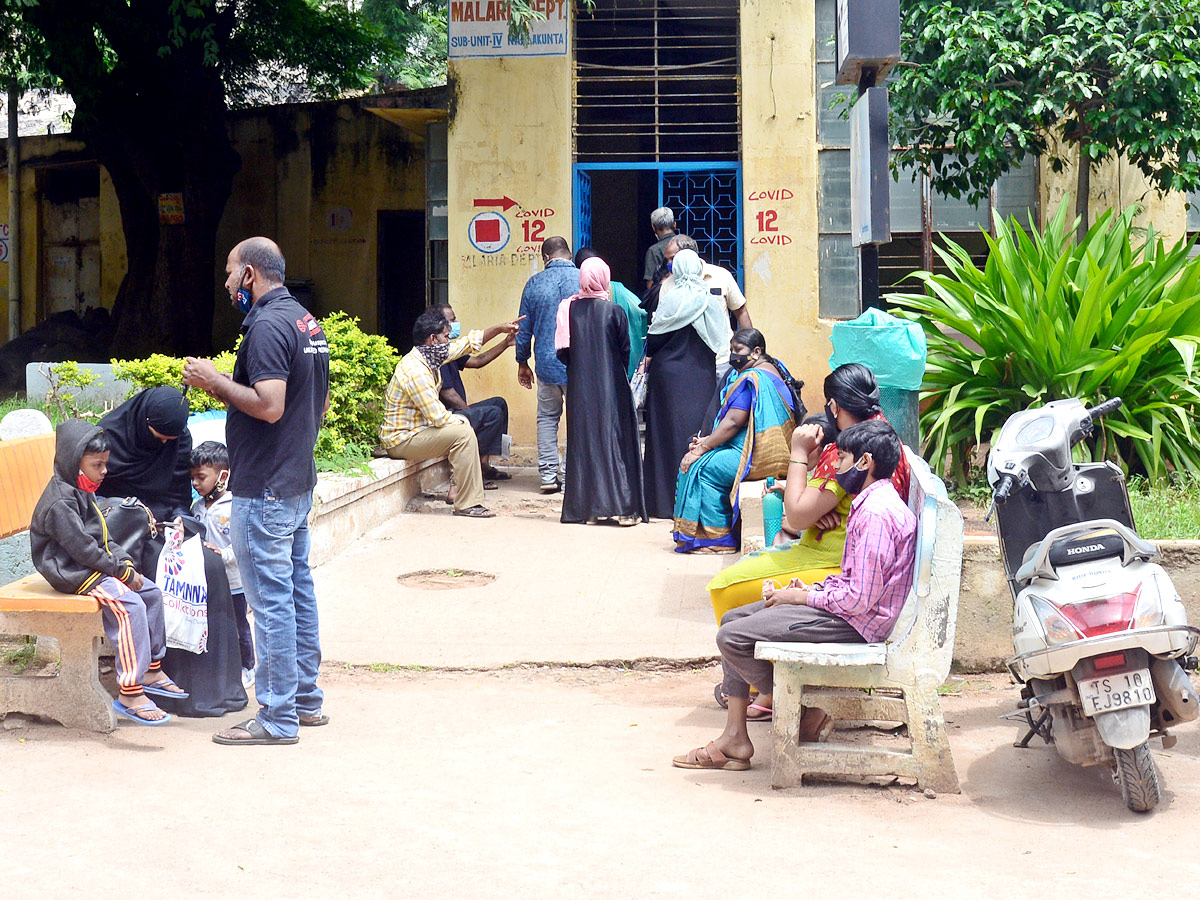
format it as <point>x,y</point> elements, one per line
<point>277,397</point>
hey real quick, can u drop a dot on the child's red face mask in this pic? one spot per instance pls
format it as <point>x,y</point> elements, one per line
<point>92,469</point>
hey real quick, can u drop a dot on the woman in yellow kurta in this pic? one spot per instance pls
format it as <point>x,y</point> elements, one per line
<point>814,503</point>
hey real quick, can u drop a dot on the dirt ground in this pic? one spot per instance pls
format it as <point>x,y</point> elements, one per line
<point>536,782</point>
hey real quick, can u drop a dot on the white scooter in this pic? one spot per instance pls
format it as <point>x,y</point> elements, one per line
<point>1098,628</point>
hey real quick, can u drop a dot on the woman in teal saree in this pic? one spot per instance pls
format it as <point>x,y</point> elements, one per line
<point>751,440</point>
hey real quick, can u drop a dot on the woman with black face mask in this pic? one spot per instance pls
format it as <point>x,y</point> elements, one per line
<point>815,506</point>
<point>751,439</point>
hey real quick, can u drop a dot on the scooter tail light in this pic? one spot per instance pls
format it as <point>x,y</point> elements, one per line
<point>1149,609</point>
<point>1057,627</point>
<point>1107,615</point>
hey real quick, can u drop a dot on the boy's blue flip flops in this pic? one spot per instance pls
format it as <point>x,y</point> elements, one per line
<point>131,713</point>
<point>159,689</point>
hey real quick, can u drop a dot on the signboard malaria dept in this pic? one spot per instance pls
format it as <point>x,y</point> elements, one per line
<point>480,28</point>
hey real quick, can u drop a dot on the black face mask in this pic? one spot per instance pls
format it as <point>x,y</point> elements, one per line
<point>852,480</point>
<point>739,361</point>
<point>830,429</point>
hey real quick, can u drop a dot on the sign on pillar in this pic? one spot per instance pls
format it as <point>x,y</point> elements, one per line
<point>489,232</point>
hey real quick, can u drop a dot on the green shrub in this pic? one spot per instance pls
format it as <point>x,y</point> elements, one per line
<point>159,370</point>
<point>1117,315</point>
<point>360,366</point>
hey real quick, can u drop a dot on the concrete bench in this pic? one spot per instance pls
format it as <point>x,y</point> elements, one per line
<point>74,696</point>
<point>29,605</point>
<point>901,674</point>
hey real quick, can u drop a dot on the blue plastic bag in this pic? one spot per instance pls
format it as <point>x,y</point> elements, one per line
<point>891,348</point>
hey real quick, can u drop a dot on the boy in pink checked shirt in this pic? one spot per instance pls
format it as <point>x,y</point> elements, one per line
<point>860,604</point>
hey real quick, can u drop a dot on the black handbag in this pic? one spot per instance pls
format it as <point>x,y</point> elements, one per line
<point>130,524</point>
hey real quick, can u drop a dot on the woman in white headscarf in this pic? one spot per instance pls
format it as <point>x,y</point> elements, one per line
<point>689,328</point>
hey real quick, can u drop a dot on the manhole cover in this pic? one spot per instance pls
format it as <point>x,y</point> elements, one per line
<point>445,579</point>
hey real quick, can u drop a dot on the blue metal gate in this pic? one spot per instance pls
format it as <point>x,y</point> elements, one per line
<point>705,197</point>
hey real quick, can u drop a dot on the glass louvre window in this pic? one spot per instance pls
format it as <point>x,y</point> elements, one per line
<point>657,81</point>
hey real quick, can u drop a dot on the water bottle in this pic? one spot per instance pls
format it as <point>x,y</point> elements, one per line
<point>772,507</point>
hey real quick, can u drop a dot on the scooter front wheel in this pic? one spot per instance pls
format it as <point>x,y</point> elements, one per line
<point>1138,777</point>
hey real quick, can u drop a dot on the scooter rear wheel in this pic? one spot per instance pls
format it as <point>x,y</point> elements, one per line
<point>1138,777</point>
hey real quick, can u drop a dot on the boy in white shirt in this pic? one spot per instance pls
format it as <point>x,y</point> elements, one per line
<point>209,468</point>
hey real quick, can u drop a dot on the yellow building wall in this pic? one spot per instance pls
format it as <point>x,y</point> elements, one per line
<point>314,178</point>
<point>39,153</point>
<point>509,137</point>
<point>1115,184</point>
<point>779,179</point>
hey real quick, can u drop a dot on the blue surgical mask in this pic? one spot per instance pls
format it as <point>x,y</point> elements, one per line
<point>455,330</point>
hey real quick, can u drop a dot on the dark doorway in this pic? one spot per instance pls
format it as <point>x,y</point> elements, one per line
<point>401,274</point>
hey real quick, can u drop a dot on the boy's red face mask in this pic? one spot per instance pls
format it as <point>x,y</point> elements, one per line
<point>92,469</point>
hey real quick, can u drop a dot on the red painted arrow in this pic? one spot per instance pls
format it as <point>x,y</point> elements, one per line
<point>505,202</point>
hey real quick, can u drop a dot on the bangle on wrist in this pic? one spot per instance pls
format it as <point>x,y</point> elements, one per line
<point>798,462</point>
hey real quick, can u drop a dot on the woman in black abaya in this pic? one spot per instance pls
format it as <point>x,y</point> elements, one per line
<point>604,477</point>
<point>689,327</point>
<point>149,452</point>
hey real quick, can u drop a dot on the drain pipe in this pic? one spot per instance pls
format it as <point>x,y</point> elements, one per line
<point>14,216</point>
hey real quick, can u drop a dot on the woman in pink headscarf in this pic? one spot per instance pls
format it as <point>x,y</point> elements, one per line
<point>604,463</point>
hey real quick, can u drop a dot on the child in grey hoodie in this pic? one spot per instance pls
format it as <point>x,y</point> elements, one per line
<point>71,549</point>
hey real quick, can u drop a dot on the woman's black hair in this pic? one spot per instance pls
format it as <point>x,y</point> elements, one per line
<point>877,437</point>
<point>855,389</point>
<point>98,444</point>
<point>210,453</point>
<point>753,339</point>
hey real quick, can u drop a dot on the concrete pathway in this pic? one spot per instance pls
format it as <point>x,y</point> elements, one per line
<point>562,593</point>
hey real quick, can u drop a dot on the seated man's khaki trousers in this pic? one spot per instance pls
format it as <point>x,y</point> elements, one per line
<point>456,441</point>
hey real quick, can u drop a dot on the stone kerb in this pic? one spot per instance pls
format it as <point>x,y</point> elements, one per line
<point>346,507</point>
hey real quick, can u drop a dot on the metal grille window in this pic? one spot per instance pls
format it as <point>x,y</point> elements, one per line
<point>657,81</point>
<point>436,207</point>
<point>918,216</point>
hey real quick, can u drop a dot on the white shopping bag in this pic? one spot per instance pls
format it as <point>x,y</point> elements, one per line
<point>180,575</point>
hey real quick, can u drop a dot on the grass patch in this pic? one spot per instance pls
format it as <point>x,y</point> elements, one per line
<point>397,667</point>
<point>1168,510</point>
<point>18,659</point>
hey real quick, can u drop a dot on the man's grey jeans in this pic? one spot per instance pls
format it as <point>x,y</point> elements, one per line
<point>550,397</point>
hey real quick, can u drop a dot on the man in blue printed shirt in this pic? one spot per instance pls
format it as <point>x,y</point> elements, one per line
<point>539,307</point>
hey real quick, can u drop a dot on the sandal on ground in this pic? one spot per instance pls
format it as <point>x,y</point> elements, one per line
<point>491,486</point>
<point>476,512</point>
<point>133,713</point>
<point>163,689</point>
<point>712,759</point>
<point>496,475</point>
<point>719,696</point>
<point>626,521</point>
<point>250,733</point>
<point>818,727</point>
<point>314,721</point>
<point>765,713</point>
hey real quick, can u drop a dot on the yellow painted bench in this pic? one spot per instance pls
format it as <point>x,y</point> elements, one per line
<point>29,605</point>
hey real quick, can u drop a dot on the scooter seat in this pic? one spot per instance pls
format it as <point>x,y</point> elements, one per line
<point>1086,549</point>
<point>1099,544</point>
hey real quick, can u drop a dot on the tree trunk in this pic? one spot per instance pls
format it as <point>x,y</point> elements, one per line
<point>156,121</point>
<point>1083,190</point>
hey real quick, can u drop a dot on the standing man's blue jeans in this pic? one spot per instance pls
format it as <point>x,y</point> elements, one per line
<point>271,541</point>
<point>550,398</point>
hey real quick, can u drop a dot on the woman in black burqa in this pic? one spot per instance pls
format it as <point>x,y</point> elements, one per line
<point>149,450</point>
<point>604,465</point>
